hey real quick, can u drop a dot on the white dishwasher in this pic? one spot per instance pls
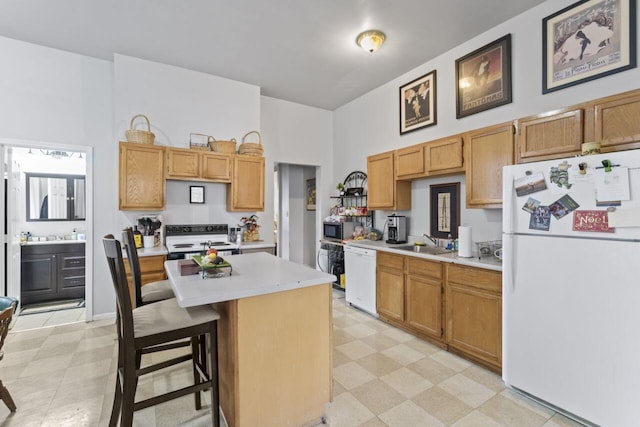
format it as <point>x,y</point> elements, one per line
<point>360,271</point>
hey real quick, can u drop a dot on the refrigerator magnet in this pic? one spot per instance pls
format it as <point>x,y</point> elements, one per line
<point>532,183</point>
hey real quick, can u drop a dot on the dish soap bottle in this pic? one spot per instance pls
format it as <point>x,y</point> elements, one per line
<point>137,237</point>
<point>74,235</point>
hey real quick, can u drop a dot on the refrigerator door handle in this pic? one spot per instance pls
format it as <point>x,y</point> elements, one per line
<point>510,256</point>
<point>507,201</point>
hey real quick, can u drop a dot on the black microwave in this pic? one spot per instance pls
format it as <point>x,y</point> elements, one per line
<point>338,230</point>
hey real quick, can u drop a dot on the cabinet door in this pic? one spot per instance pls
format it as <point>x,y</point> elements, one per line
<point>488,150</point>
<point>444,156</point>
<point>474,313</point>
<point>151,270</point>
<point>183,164</point>
<point>424,296</point>
<point>216,167</point>
<point>246,191</point>
<point>141,177</point>
<point>410,161</point>
<point>390,286</point>
<point>550,137</point>
<point>616,121</point>
<point>38,275</point>
<point>384,192</point>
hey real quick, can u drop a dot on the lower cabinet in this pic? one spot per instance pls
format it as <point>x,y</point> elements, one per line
<point>52,272</point>
<point>474,314</point>
<point>409,294</point>
<point>453,306</point>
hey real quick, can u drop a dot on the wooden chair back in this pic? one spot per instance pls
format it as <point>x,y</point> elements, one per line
<point>113,251</point>
<point>134,264</point>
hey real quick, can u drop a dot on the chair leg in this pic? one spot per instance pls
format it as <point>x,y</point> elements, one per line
<point>6,398</point>
<point>195,356</point>
<point>213,374</point>
<point>129,385</point>
<point>117,402</point>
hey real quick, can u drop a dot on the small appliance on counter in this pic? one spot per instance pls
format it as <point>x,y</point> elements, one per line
<point>397,229</point>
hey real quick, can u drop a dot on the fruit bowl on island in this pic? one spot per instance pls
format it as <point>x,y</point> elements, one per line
<point>213,266</point>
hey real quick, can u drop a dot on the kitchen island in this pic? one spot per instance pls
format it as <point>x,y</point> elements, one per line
<point>274,338</point>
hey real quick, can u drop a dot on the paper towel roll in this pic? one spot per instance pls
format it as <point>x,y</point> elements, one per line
<point>464,242</point>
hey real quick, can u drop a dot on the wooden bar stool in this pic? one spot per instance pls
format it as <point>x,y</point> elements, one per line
<point>155,327</point>
<point>150,292</point>
<point>7,308</point>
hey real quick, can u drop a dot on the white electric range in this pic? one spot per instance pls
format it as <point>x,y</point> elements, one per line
<point>185,241</point>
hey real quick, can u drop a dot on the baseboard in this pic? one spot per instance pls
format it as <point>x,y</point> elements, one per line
<point>104,316</point>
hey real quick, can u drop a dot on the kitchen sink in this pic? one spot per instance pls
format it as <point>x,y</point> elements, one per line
<point>431,250</point>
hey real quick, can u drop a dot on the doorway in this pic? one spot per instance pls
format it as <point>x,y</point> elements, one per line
<point>59,222</point>
<point>297,221</point>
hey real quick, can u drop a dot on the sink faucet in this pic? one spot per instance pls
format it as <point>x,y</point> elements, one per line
<point>433,239</point>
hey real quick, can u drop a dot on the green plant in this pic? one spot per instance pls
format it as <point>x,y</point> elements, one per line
<point>340,186</point>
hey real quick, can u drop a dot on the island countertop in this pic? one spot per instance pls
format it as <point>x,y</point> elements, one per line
<point>252,275</point>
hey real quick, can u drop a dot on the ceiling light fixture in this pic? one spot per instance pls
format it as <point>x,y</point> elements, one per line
<point>370,40</point>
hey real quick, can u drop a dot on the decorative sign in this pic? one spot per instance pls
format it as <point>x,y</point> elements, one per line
<point>589,220</point>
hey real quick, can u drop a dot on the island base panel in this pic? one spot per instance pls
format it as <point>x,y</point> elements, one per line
<point>276,357</point>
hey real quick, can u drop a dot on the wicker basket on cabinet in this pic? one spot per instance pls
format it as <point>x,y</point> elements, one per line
<point>222,146</point>
<point>140,136</point>
<point>251,148</point>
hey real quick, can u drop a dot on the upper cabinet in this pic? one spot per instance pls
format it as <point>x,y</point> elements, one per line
<point>440,157</point>
<point>444,156</point>
<point>183,163</point>
<point>198,165</point>
<point>142,185</point>
<point>551,136</point>
<point>384,191</point>
<point>488,150</point>
<point>246,190</point>
<point>616,121</point>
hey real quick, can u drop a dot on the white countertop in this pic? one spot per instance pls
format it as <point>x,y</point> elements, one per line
<point>489,263</point>
<point>252,275</point>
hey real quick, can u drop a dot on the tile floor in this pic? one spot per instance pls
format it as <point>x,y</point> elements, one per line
<point>25,322</point>
<point>65,376</point>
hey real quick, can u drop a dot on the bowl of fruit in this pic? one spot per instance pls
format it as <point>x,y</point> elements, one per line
<point>212,261</point>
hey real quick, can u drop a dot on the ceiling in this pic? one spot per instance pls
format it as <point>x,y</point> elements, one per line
<point>302,51</point>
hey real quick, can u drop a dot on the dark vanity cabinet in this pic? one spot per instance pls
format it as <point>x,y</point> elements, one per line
<point>52,272</point>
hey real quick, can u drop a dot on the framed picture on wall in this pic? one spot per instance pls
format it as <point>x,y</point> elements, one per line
<point>311,194</point>
<point>445,210</point>
<point>483,78</point>
<point>196,194</point>
<point>588,40</point>
<point>418,103</point>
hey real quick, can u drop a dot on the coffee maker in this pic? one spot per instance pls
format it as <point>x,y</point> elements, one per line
<point>397,228</point>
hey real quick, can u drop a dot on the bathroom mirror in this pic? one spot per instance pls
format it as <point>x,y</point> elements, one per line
<point>51,197</point>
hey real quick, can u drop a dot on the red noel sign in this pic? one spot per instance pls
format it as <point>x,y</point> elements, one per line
<point>591,221</point>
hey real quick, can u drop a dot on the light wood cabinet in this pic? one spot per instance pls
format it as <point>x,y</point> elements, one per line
<point>198,165</point>
<point>390,286</point>
<point>424,296</point>
<point>487,151</point>
<point>410,161</point>
<point>141,177</point>
<point>409,294</point>
<point>216,166</point>
<point>551,136</point>
<point>474,314</point>
<point>183,163</point>
<point>444,156</point>
<point>439,157</point>
<point>384,191</point>
<point>246,190</point>
<point>616,121</point>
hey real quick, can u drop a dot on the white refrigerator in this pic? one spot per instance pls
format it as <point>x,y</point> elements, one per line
<point>571,285</point>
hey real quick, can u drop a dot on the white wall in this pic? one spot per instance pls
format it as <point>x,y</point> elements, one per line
<point>57,97</point>
<point>369,124</point>
<point>178,102</point>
